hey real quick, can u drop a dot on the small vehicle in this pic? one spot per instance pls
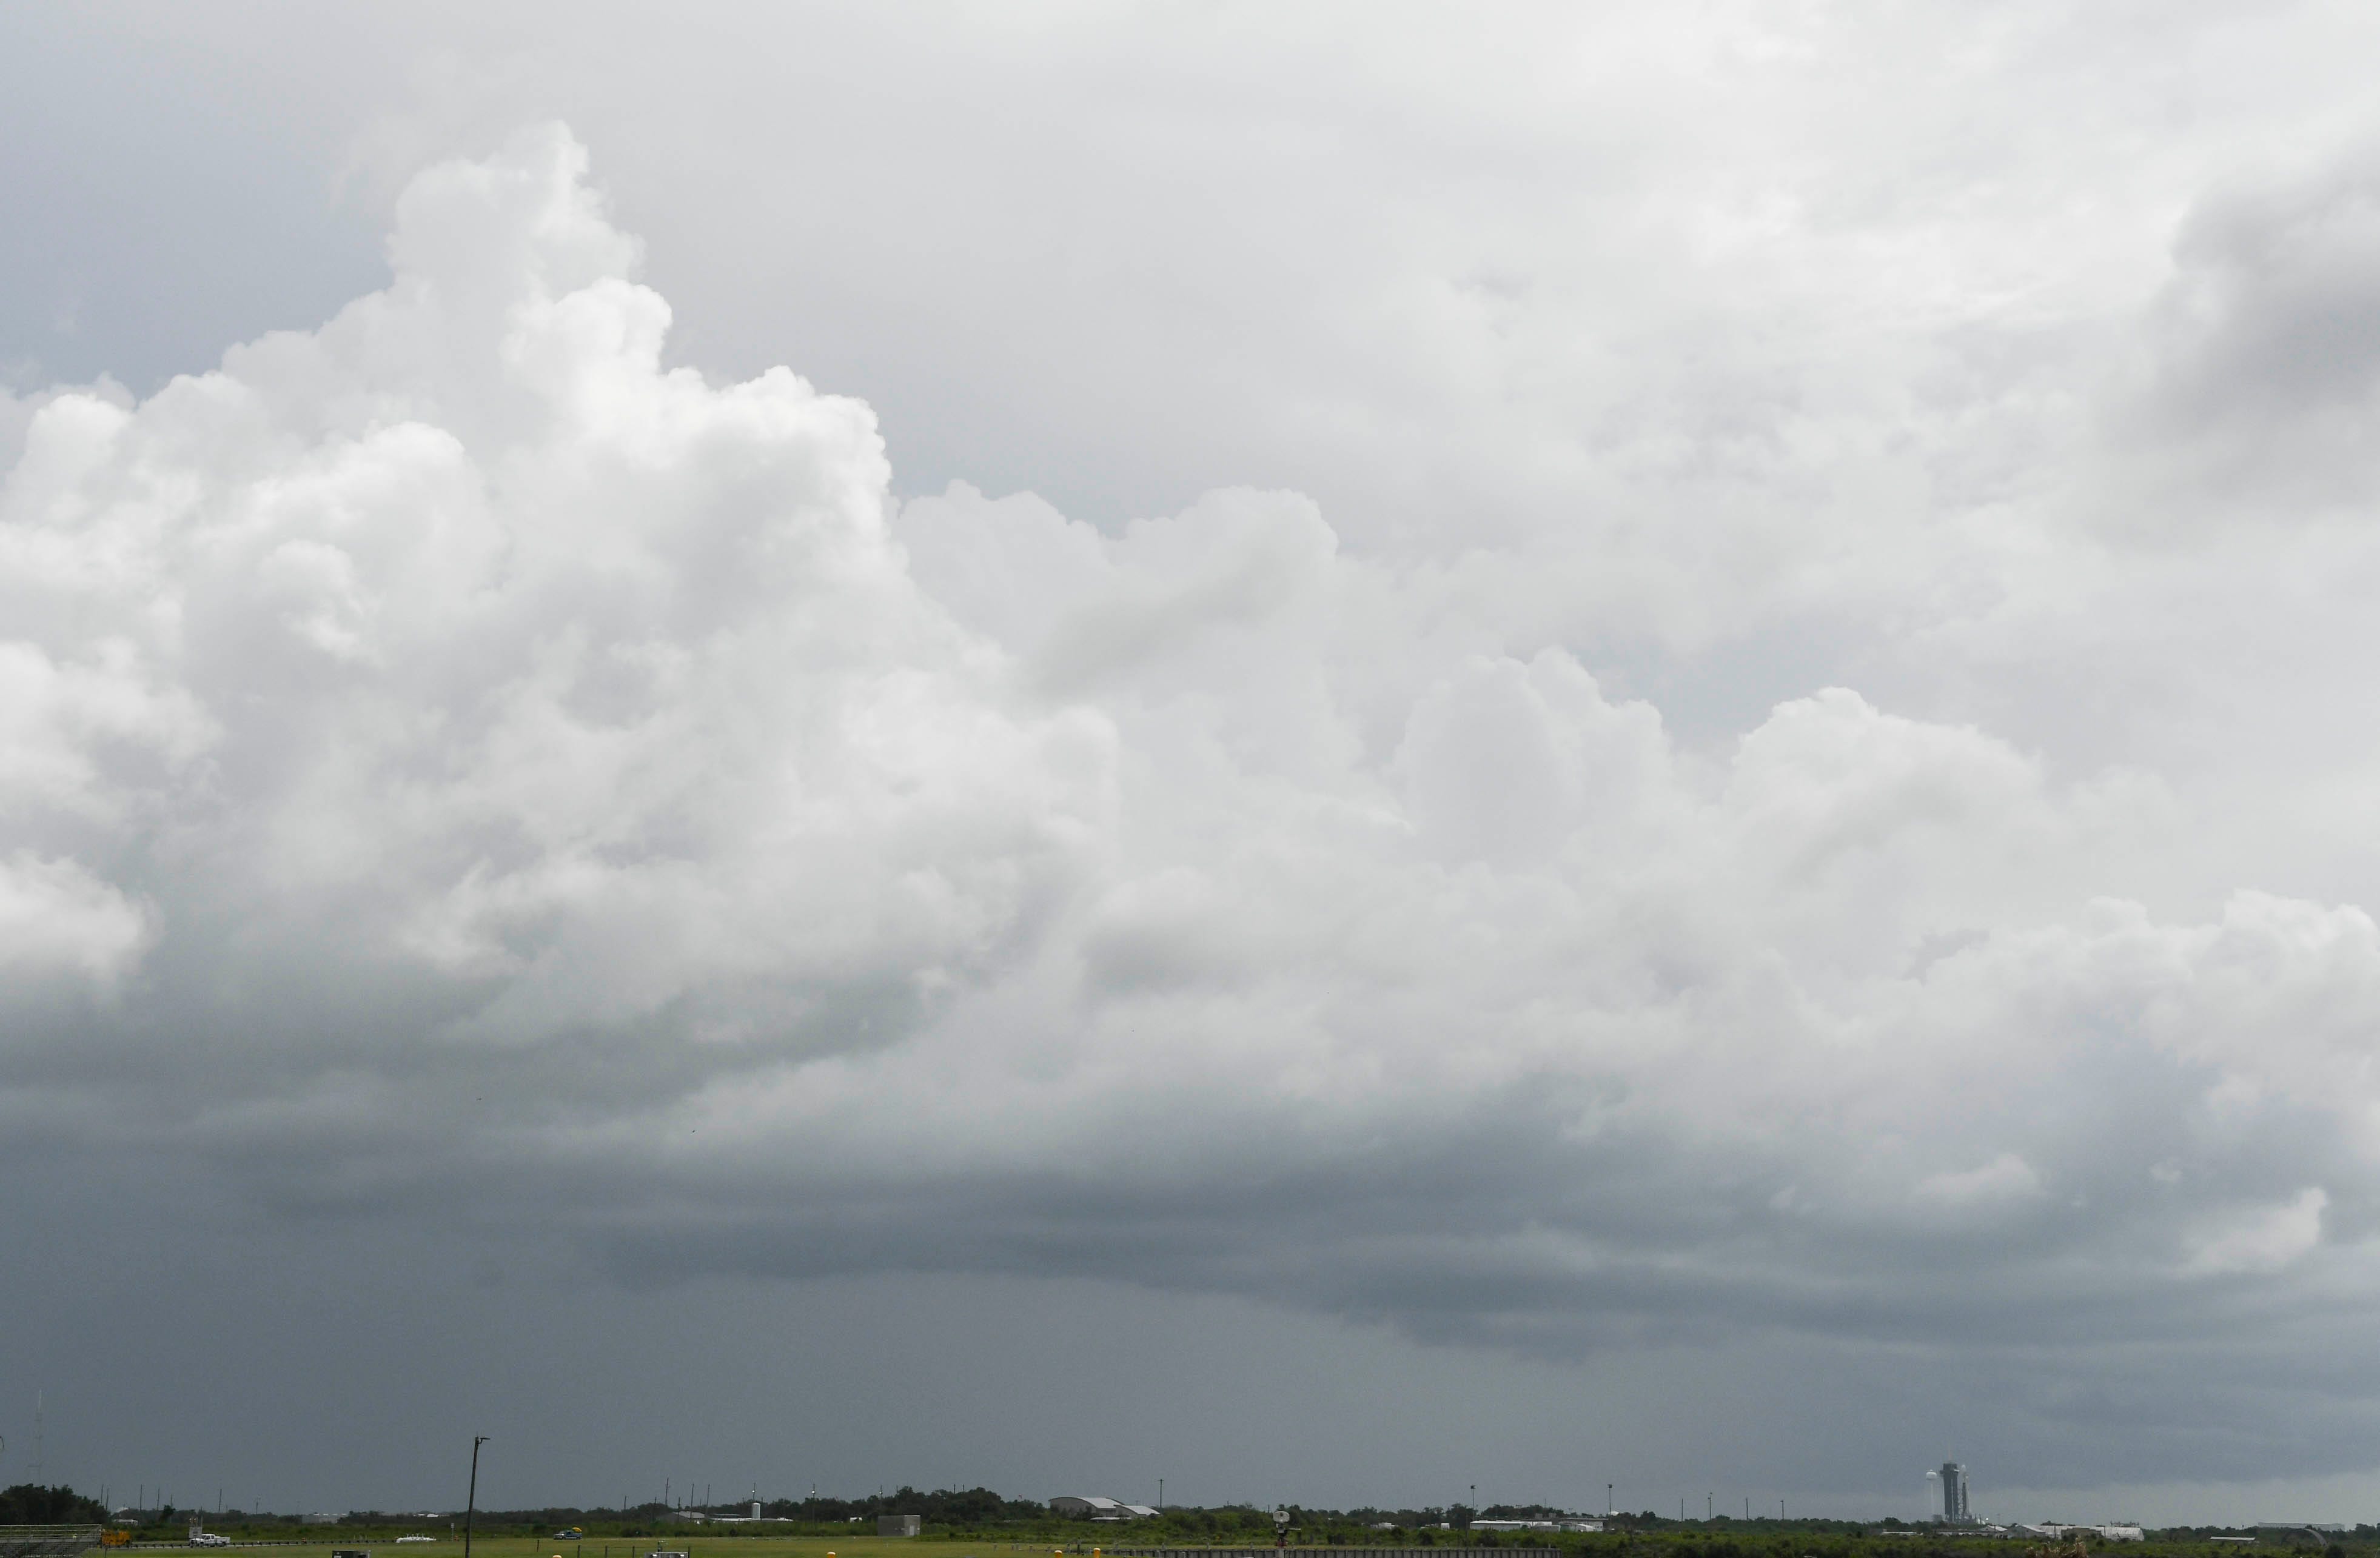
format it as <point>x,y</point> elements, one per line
<point>665,1554</point>
<point>417,1538</point>
<point>573,1534</point>
<point>209,1539</point>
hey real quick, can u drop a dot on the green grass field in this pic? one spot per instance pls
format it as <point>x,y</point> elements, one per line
<point>695,1544</point>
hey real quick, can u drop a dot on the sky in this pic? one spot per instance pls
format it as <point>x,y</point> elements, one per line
<point>1340,752</point>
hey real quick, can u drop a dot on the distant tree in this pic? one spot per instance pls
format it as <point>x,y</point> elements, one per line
<point>29,1503</point>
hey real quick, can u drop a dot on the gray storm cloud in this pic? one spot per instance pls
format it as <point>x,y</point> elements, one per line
<point>448,738</point>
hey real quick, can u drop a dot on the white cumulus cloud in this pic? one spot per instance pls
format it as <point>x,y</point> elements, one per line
<point>454,713</point>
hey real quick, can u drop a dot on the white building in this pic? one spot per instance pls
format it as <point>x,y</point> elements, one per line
<point>1096,1508</point>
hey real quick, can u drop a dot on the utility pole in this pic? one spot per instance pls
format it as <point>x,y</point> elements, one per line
<point>471,1500</point>
<point>1608,1507</point>
<point>1160,1495</point>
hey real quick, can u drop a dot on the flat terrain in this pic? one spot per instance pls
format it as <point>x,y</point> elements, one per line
<point>694,1544</point>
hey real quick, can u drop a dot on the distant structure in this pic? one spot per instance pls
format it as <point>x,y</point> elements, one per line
<point>1954,1496</point>
<point>1096,1508</point>
<point>755,1517</point>
<point>896,1525</point>
<point>47,1541</point>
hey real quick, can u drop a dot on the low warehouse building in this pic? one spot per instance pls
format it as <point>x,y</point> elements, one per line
<point>1096,1508</point>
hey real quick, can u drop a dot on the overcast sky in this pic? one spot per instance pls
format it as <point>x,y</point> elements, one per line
<point>1334,751</point>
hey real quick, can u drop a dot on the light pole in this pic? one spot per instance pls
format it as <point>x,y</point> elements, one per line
<point>471,1500</point>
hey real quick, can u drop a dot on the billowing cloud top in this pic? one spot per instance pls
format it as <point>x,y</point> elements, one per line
<point>450,740</point>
